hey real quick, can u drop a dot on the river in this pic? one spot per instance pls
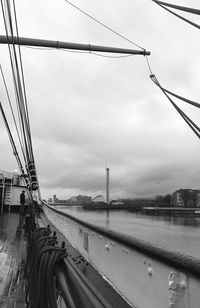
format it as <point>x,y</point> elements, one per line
<point>180,234</point>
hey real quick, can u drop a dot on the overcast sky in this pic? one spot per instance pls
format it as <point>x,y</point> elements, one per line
<point>85,109</point>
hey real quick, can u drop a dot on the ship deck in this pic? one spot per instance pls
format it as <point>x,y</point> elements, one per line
<point>12,261</point>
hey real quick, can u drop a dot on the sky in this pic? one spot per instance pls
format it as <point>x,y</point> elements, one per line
<point>86,110</point>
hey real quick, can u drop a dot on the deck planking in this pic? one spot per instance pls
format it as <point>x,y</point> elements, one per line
<point>12,261</point>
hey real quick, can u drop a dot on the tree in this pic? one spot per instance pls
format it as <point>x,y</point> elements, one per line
<point>185,195</point>
<point>166,199</point>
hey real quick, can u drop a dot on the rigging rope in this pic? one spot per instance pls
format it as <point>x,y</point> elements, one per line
<point>43,255</point>
<point>183,98</point>
<point>104,25</point>
<point>191,124</point>
<point>177,15</point>
<point>16,76</point>
<point>15,152</point>
<point>179,7</point>
<point>12,111</point>
<point>20,90</point>
<point>19,80</point>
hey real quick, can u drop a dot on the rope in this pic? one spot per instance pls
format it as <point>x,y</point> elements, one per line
<point>177,15</point>
<point>183,98</point>
<point>43,255</point>
<point>195,128</point>
<point>11,139</point>
<point>102,24</point>
<point>20,88</point>
<point>149,66</point>
<point>15,71</point>
<point>181,8</point>
<point>13,115</point>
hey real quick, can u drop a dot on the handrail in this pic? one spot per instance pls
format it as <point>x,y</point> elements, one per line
<point>73,286</point>
<point>176,259</point>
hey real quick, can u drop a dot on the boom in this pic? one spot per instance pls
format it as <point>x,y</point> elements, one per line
<point>66,45</point>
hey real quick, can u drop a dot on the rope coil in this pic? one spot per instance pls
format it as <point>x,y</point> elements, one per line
<point>43,255</point>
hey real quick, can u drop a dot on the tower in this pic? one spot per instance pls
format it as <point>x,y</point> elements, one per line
<point>107,184</point>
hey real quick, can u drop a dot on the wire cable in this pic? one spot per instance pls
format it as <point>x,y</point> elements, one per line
<point>177,15</point>
<point>11,140</point>
<point>181,8</point>
<point>12,111</point>
<point>23,82</point>
<point>82,52</point>
<point>149,66</point>
<point>195,128</point>
<point>103,25</point>
<point>183,98</point>
<point>13,61</point>
<point>20,88</point>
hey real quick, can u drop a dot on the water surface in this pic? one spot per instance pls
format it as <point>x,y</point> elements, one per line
<point>172,232</point>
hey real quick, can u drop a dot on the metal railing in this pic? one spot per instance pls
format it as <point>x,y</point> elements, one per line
<point>133,266</point>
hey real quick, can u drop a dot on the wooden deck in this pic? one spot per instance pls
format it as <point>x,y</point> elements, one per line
<point>12,262</point>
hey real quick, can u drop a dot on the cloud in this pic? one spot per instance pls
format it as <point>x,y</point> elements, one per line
<point>85,110</point>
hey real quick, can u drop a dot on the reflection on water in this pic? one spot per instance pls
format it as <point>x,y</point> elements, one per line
<point>178,233</point>
<point>107,219</point>
<point>176,220</point>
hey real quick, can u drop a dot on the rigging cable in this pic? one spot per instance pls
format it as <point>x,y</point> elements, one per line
<point>23,82</point>
<point>184,116</point>
<point>15,73</point>
<point>179,7</point>
<point>20,90</point>
<point>11,140</point>
<point>104,25</point>
<point>82,52</point>
<point>182,98</point>
<point>12,111</point>
<point>163,5</point>
<point>22,93</point>
<point>31,164</point>
<point>17,78</point>
<point>192,125</point>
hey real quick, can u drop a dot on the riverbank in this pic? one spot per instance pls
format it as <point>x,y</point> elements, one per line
<point>171,211</point>
<point>175,211</point>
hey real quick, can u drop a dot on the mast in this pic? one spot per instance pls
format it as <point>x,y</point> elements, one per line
<point>66,45</point>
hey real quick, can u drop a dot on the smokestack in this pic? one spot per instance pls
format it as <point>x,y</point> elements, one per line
<point>107,184</point>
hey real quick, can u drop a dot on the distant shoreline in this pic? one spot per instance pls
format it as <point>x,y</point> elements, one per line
<point>171,210</point>
<point>148,210</point>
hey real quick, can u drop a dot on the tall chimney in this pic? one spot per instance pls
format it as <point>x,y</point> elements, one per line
<point>107,184</point>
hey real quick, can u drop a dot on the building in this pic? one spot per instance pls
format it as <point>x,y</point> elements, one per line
<point>11,186</point>
<point>83,200</point>
<point>55,199</point>
<point>116,203</point>
<point>99,198</point>
<point>186,198</point>
<point>78,200</point>
<point>176,199</point>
